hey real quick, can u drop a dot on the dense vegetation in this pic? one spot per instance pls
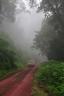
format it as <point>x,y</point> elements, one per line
<point>10,58</point>
<point>51,75</point>
<point>50,39</point>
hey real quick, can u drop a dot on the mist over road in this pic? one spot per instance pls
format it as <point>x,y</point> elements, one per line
<point>23,30</point>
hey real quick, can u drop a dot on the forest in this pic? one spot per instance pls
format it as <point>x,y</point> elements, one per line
<point>49,40</point>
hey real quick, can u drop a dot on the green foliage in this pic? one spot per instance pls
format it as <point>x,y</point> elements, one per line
<point>7,53</point>
<point>51,75</point>
<point>10,57</point>
<point>50,39</point>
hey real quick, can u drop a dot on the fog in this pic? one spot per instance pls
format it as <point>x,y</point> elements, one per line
<point>23,30</point>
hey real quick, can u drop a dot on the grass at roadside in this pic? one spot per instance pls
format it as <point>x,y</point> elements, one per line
<point>51,75</point>
<point>37,91</point>
<point>5,73</point>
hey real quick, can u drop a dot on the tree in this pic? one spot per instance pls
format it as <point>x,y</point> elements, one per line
<point>7,53</point>
<point>53,7</point>
<point>44,37</point>
<point>7,9</point>
<point>50,40</point>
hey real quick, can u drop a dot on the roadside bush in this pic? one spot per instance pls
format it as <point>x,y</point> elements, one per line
<point>10,58</point>
<point>7,53</point>
<point>51,75</point>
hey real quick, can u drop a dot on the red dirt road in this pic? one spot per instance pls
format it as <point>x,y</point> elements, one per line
<point>19,84</point>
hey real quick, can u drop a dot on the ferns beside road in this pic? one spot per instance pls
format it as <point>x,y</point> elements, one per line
<point>51,75</point>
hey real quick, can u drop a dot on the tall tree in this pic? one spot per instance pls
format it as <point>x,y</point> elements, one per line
<point>49,41</point>
<point>54,12</point>
<point>53,7</point>
<point>7,9</point>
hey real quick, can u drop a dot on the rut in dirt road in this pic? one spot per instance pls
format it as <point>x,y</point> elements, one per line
<point>20,84</point>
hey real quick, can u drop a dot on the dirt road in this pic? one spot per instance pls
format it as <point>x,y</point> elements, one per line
<point>19,84</point>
